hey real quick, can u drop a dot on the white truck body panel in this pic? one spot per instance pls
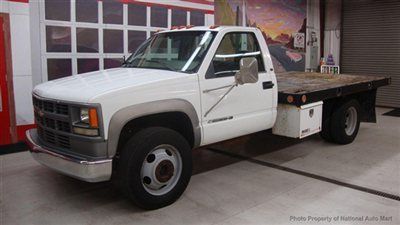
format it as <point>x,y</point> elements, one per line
<point>118,88</point>
<point>87,87</point>
<point>298,122</point>
<point>247,108</point>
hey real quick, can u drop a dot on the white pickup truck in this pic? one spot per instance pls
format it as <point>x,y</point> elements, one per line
<point>182,89</point>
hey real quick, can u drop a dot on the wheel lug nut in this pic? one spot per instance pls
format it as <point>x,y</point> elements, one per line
<point>150,158</point>
<point>146,180</point>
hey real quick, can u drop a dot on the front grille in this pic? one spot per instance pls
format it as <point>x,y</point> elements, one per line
<point>53,138</point>
<point>50,106</point>
<point>63,126</point>
<point>53,122</point>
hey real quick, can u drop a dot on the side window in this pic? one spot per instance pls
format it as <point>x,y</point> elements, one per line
<point>233,47</point>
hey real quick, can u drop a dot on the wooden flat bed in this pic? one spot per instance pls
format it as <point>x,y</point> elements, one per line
<point>300,88</point>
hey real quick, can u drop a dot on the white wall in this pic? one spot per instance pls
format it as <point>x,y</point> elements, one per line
<point>21,58</point>
<point>313,54</point>
<point>209,19</point>
<point>332,29</point>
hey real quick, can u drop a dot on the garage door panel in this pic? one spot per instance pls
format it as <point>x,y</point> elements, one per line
<point>371,43</point>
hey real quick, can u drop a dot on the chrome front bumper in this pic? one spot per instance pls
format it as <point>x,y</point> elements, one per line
<point>90,171</point>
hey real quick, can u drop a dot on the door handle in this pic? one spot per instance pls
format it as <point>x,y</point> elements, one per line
<point>267,85</point>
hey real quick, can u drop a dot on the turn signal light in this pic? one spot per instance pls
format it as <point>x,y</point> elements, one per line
<point>93,119</point>
<point>304,98</point>
<point>289,99</point>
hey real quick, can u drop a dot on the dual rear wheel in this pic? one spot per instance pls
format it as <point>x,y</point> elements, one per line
<point>342,125</point>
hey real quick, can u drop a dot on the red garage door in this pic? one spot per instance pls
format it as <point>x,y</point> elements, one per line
<point>5,135</point>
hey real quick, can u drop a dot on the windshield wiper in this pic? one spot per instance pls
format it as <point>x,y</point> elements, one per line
<point>124,62</point>
<point>161,63</point>
<point>166,66</point>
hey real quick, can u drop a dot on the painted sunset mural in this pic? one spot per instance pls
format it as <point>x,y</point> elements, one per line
<point>279,20</point>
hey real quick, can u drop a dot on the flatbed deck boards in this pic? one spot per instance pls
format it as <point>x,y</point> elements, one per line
<point>313,87</point>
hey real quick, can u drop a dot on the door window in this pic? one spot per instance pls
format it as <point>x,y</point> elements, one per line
<point>233,47</point>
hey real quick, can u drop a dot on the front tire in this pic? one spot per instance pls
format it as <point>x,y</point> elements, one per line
<point>154,167</point>
<point>345,122</point>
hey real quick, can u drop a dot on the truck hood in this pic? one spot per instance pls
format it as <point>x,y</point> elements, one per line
<point>85,87</point>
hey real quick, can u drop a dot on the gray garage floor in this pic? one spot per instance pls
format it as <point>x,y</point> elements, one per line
<point>228,189</point>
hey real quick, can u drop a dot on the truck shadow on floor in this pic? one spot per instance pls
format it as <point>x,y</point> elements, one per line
<point>76,195</point>
<point>249,146</point>
<point>97,194</point>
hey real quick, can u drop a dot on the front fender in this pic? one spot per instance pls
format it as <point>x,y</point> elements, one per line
<point>123,116</point>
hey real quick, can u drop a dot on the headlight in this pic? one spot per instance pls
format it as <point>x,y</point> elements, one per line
<point>84,115</point>
<point>88,123</point>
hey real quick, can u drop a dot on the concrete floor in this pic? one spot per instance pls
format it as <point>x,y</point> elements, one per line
<point>225,190</point>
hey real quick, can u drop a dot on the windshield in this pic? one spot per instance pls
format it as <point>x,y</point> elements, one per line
<point>176,51</point>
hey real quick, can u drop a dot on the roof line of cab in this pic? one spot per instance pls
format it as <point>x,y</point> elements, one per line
<point>202,28</point>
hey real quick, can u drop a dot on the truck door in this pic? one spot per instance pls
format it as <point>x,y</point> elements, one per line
<point>246,108</point>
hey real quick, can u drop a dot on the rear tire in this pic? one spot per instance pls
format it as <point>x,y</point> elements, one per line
<point>326,130</point>
<point>154,167</point>
<point>345,122</point>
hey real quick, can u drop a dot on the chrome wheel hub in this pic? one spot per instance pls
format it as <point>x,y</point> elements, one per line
<point>164,171</point>
<point>161,169</point>
<point>351,121</point>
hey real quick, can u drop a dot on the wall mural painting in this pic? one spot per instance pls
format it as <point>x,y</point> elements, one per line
<point>283,23</point>
<point>228,12</point>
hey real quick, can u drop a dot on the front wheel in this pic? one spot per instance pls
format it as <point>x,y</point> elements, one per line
<point>345,122</point>
<point>155,167</point>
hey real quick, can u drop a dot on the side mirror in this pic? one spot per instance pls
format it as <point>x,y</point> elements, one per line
<point>248,72</point>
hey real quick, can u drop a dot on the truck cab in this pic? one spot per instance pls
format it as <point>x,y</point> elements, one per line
<point>181,84</point>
